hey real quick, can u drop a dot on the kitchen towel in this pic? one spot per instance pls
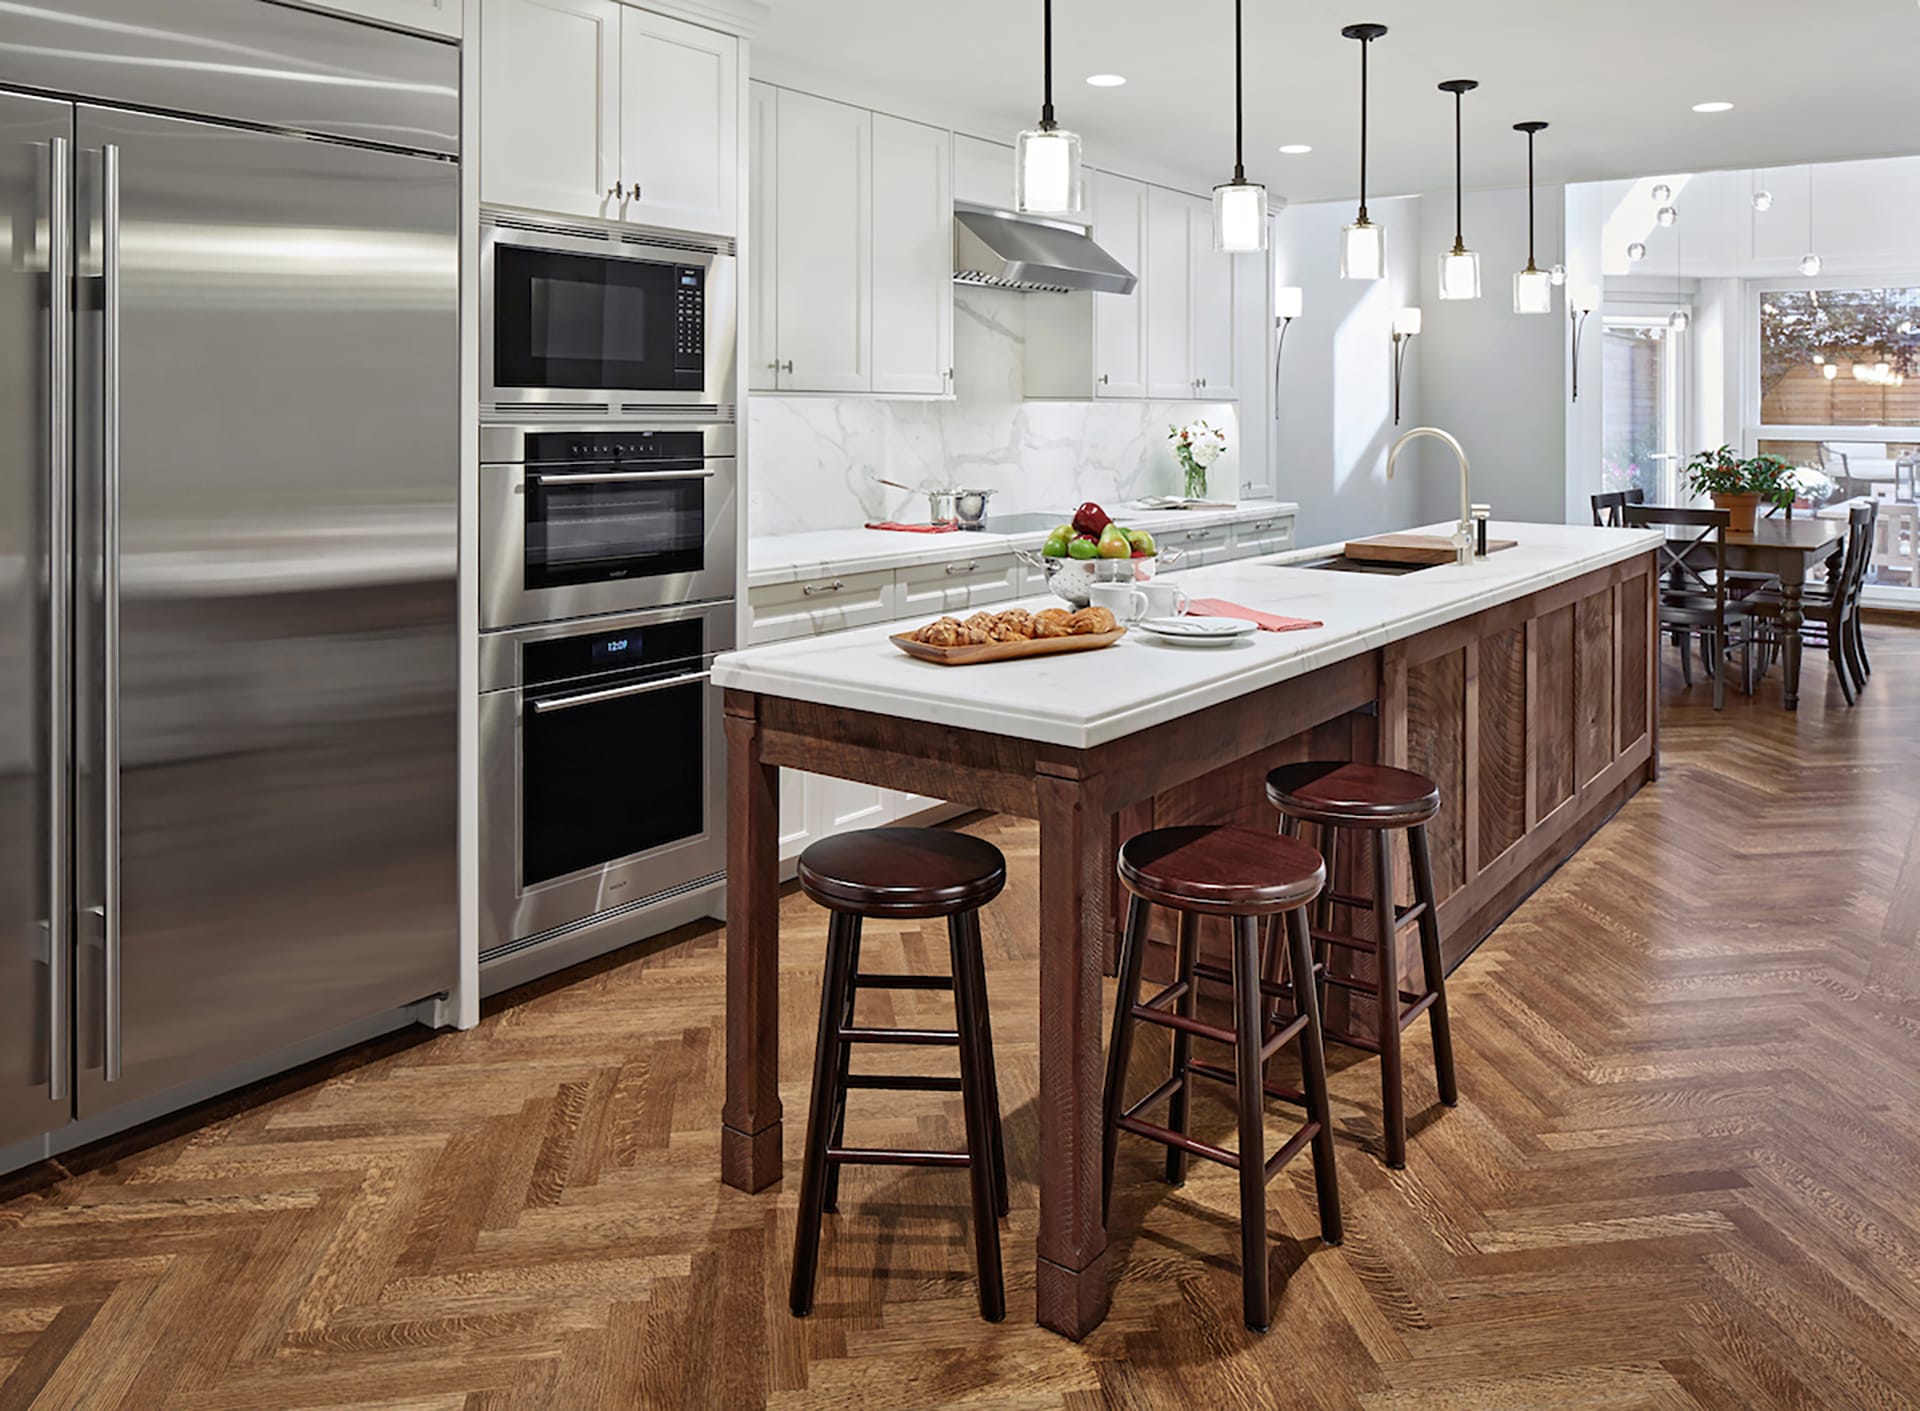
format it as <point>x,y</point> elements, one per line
<point>917,528</point>
<point>1266,621</point>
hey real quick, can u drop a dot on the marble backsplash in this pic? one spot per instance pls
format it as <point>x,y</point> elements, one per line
<point>812,459</point>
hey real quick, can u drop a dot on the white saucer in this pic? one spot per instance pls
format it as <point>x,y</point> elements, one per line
<point>1199,631</point>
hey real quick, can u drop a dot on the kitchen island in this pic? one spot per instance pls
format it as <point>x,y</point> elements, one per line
<point>1523,684</point>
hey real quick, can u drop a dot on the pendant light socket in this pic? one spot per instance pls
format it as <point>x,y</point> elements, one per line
<point>1363,245</point>
<point>1046,158</point>
<point>1459,267</point>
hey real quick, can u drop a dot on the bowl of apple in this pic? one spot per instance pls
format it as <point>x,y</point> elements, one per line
<point>1093,549</point>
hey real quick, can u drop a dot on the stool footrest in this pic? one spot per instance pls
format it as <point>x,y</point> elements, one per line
<point>906,1083</point>
<point>1285,1034</point>
<point>1226,1076</point>
<point>883,1156</point>
<point>1198,1028</point>
<point>939,1038</point>
<point>1166,1136</point>
<point>903,982</point>
<point>1272,989</point>
<point>1158,1095</point>
<point>1290,1148</point>
<point>1401,914</point>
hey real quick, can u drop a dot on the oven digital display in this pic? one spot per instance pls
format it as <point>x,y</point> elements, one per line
<point>611,649</point>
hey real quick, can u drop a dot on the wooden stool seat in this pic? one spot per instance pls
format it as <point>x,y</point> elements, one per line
<point>1350,795</point>
<point>1243,876</point>
<point>1337,796</point>
<point>903,872</point>
<point>1221,871</point>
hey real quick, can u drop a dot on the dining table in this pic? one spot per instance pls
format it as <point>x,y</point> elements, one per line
<point>1789,550</point>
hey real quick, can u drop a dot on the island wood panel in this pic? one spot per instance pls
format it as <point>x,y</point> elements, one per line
<point>1550,652</point>
<point>1436,747</point>
<point>1501,735</point>
<point>1594,704</point>
<point>1635,625</point>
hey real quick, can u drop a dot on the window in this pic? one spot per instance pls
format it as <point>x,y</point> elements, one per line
<point>1640,419</point>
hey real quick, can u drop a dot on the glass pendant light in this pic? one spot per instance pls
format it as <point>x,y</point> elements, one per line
<point>1762,198</point>
<point>1239,206</point>
<point>1533,286</point>
<point>1046,159</point>
<point>1662,193</point>
<point>1810,262</point>
<point>1637,251</point>
<point>1666,215</point>
<point>1459,267</point>
<point>1363,245</point>
<point>1681,317</point>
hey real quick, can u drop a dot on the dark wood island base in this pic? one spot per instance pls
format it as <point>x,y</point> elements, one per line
<point>1536,717</point>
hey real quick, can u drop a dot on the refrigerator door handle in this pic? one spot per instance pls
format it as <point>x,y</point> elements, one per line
<point>59,585</point>
<point>110,589</point>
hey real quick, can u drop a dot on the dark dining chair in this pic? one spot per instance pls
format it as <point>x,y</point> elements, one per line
<point>1833,613</point>
<point>1610,509</point>
<point>1694,593</point>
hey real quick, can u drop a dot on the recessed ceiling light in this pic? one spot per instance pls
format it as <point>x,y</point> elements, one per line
<point>1296,149</point>
<point>1105,80</point>
<point>1714,107</point>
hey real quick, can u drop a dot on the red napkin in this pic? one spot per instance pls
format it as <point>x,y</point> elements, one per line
<point>1266,621</point>
<point>947,528</point>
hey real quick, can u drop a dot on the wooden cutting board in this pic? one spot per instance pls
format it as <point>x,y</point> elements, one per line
<point>1413,548</point>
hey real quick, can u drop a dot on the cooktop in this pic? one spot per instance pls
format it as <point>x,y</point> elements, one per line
<point>1023,523</point>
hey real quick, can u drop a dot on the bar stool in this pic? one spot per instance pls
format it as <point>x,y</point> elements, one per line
<point>1337,797</point>
<point>1244,876</point>
<point>903,873</point>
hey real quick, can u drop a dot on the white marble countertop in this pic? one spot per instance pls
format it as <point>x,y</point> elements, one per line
<point>789,558</point>
<point>1086,699</point>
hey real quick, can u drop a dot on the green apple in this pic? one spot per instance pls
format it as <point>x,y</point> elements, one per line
<point>1056,545</point>
<point>1082,549</point>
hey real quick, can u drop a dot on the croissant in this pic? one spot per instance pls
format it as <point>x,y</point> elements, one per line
<point>938,632</point>
<point>1091,620</point>
<point>1052,622</point>
<point>1013,625</point>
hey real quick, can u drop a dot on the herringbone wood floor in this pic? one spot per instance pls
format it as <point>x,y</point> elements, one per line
<point>1683,1174</point>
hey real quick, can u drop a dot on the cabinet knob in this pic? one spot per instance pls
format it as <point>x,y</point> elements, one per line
<point>1103,379</point>
<point>616,192</point>
<point>786,366</point>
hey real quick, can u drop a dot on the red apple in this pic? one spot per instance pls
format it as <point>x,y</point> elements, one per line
<point>1091,519</point>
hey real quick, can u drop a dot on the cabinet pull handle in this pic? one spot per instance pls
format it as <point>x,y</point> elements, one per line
<point>786,366</point>
<point>832,587</point>
<point>968,567</point>
<point>616,191</point>
<point>1199,534</point>
<point>1103,379</point>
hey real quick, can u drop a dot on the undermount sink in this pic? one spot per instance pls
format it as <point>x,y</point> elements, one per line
<point>1339,563</point>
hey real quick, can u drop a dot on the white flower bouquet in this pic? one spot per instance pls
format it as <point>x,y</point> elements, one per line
<point>1197,445</point>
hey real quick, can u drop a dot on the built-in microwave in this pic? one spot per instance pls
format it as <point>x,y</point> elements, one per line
<point>604,518</point>
<point>603,320</point>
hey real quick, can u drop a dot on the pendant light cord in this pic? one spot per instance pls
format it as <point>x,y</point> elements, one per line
<point>1046,50</point>
<point>1459,181</point>
<point>1239,108</point>
<point>1364,44</point>
<point>1530,264</point>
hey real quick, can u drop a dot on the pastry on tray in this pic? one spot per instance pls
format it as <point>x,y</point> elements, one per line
<point>947,632</point>
<point>1053,622</point>
<point>1090,620</point>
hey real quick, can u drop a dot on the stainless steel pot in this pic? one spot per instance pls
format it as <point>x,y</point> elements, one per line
<point>970,507</point>
<point>940,509</point>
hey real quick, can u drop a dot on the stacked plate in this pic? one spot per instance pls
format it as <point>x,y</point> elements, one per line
<point>1199,631</point>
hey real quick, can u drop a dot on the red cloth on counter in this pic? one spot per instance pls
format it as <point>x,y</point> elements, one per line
<point>917,528</point>
<point>1266,621</point>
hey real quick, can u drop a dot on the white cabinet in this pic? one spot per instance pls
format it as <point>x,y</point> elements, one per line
<point>796,827</point>
<point>1210,283</point>
<point>679,153</point>
<point>550,105</point>
<point>1213,544</point>
<point>1272,535</point>
<point>592,108</point>
<point>1166,285</point>
<point>823,261</point>
<point>982,172</point>
<point>1120,320</point>
<point>441,17</point>
<point>912,257</point>
<point>832,603</point>
<point>958,586</point>
<point>763,236</point>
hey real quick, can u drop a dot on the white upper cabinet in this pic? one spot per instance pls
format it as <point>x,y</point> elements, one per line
<point>441,17</point>
<point>1211,303</point>
<point>679,124</point>
<point>823,256</point>
<point>1170,375</point>
<point>1120,320</point>
<point>763,236</point>
<point>912,257</point>
<point>550,105</point>
<point>593,108</point>
<point>982,172</point>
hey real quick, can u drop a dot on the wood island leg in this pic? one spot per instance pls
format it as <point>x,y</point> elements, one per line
<point>750,1155</point>
<point>1071,1292</point>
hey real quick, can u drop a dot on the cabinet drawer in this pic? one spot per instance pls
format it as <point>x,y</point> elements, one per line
<point>959,585</point>
<point>1263,536</point>
<point>1199,546</point>
<point>815,605</point>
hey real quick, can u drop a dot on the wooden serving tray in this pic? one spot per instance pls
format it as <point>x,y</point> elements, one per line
<point>1413,548</point>
<point>972,655</point>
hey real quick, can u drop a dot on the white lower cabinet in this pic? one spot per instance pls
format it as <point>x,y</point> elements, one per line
<point>830,603</point>
<point>1213,544</point>
<point>959,586</point>
<point>1255,538</point>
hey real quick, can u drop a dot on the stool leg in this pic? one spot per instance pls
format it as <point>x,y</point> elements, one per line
<point>984,1011</point>
<point>1433,965</point>
<point>1250,1098</point>
<point>832,1205</point>
<point>826,1065</point>
<point>1322,952</point>
<point>1183,1046</point>
<point>1133,950</point>
<point>1313,1067</point>
<point>1393,1102</point>
<point>973,1093</point>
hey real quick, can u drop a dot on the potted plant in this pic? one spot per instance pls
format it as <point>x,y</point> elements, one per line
<point>1738,486</point>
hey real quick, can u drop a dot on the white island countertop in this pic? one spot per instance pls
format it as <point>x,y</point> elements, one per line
<point>792,558</point>
<point>1084,699</point>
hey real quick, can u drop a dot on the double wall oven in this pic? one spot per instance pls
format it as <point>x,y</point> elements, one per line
<point>609,554</point>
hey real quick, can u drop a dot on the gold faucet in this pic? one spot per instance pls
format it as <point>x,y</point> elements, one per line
<point>1463,531</point>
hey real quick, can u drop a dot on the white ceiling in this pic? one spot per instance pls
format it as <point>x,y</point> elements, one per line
<point>1811,80</point>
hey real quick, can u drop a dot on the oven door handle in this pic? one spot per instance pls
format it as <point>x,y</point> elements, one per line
<point>614,693</point>
<point>616,477</point>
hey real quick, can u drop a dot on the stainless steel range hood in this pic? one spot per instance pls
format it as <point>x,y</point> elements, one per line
<point>1000,250</point>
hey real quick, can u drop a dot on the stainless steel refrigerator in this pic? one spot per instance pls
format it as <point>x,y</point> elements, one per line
<point>228,541</point>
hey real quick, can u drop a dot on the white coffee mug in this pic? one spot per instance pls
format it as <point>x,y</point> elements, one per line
<point>1130,602</point>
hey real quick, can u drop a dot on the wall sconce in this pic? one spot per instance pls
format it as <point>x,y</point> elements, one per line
<point>1287,303</point>
<point>1581,301</point>
<point>1406,324</point>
